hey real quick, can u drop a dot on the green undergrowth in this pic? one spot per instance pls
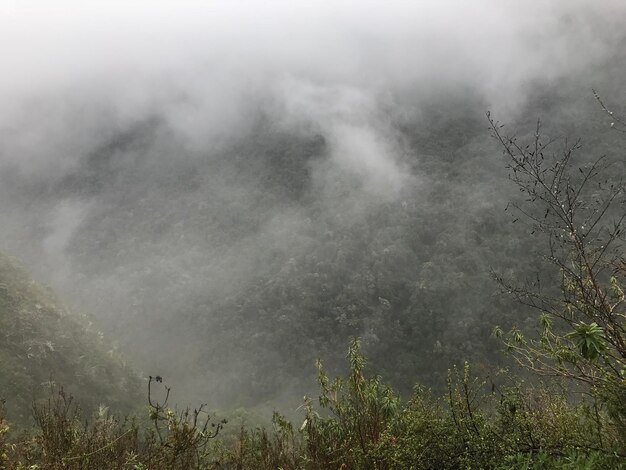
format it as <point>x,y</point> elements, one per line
<point>356,422</point>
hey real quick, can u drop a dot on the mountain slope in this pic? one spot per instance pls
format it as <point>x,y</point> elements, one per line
<point>43,343</point>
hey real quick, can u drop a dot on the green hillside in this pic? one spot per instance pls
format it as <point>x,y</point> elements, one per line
<point>43,344</point>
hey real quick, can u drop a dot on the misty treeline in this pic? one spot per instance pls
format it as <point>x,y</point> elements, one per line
<point>575,212</point>
<point>232,206</point>
<point>232,274</point>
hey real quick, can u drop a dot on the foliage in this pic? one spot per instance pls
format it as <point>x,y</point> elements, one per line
<point>281,447</point>
<point>186,434</point>
<point>360,410</point>
<point>360,424</point>
<point>63,439</point>
<point>580,212</point>
<point>4,430</point>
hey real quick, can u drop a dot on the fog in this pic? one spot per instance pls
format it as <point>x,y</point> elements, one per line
<point>161,163</point>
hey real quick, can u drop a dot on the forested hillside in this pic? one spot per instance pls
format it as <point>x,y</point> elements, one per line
<point>44,346</point>
<point>266,254</point>
<point>232,201</point>
<point>233,192</point>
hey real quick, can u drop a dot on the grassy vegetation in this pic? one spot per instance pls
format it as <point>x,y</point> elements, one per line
<point>357,421</point>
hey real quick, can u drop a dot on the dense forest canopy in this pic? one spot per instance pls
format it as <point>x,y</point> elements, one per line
<point>232,200</point>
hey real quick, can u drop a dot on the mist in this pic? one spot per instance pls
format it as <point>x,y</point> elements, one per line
<point>172,167</point>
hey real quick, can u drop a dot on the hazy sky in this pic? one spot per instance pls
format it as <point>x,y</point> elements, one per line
<point>117,46</point>
<point>203,66</point>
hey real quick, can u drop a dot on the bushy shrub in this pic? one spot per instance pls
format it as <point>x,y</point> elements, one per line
<point>357,422</point>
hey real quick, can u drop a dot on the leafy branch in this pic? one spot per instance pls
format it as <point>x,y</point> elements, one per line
<point>580,212</point>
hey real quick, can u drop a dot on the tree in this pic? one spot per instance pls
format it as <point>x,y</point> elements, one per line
<point>579,212</point>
